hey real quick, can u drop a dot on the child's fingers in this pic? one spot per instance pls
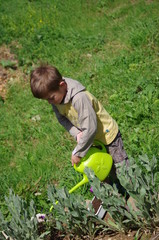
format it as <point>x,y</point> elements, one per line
<point>72,162</point>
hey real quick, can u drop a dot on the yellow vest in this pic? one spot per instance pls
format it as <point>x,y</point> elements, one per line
<point>107,127</point>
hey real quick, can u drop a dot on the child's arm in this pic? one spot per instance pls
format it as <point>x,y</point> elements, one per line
<point>88,123</point>
<point>79,135</point>
<point>74,131</point>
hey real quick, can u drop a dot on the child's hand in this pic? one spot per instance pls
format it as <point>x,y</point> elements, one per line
<point>79,135</point>
<point>75,159</point>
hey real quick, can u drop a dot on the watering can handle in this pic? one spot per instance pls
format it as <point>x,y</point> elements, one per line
<point>97,143</point>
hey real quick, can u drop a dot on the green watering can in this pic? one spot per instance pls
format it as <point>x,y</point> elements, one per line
<point>96,159</point>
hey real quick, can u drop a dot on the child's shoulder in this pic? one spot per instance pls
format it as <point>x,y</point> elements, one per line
<point>73,88</point>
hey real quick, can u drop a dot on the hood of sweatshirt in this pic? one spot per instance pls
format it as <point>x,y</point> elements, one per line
<point>73,87</point>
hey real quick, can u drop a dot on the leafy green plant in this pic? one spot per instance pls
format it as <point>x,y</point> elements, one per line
<point>22,223</point>
<point>121,220</point>
<point>72,214</point>
<point>141,183</point>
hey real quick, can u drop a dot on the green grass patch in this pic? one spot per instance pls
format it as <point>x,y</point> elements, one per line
<point>112,48</point>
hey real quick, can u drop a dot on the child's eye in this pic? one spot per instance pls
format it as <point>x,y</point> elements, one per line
<point>52,97</point>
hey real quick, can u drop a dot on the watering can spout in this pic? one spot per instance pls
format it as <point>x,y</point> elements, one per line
<point>83,181</point>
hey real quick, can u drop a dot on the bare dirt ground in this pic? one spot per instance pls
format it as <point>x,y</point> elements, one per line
<point>9,70</point>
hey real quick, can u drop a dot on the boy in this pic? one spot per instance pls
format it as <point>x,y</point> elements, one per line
<point>81,114</point>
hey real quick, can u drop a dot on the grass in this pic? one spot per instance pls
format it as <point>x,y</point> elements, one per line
<point>112,48</point>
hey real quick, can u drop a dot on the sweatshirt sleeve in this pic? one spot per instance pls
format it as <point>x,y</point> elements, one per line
<point>66,123</point>
<point>87,120</point>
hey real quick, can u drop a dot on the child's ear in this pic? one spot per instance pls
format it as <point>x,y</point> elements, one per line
<point>62,83</point>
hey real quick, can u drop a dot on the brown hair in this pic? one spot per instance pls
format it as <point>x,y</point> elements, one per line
<point>44,79</point>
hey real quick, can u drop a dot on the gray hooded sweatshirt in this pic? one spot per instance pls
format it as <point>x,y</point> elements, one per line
<point>82,112</point>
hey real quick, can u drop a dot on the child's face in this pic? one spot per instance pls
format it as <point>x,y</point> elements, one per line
<point>56,97</point>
